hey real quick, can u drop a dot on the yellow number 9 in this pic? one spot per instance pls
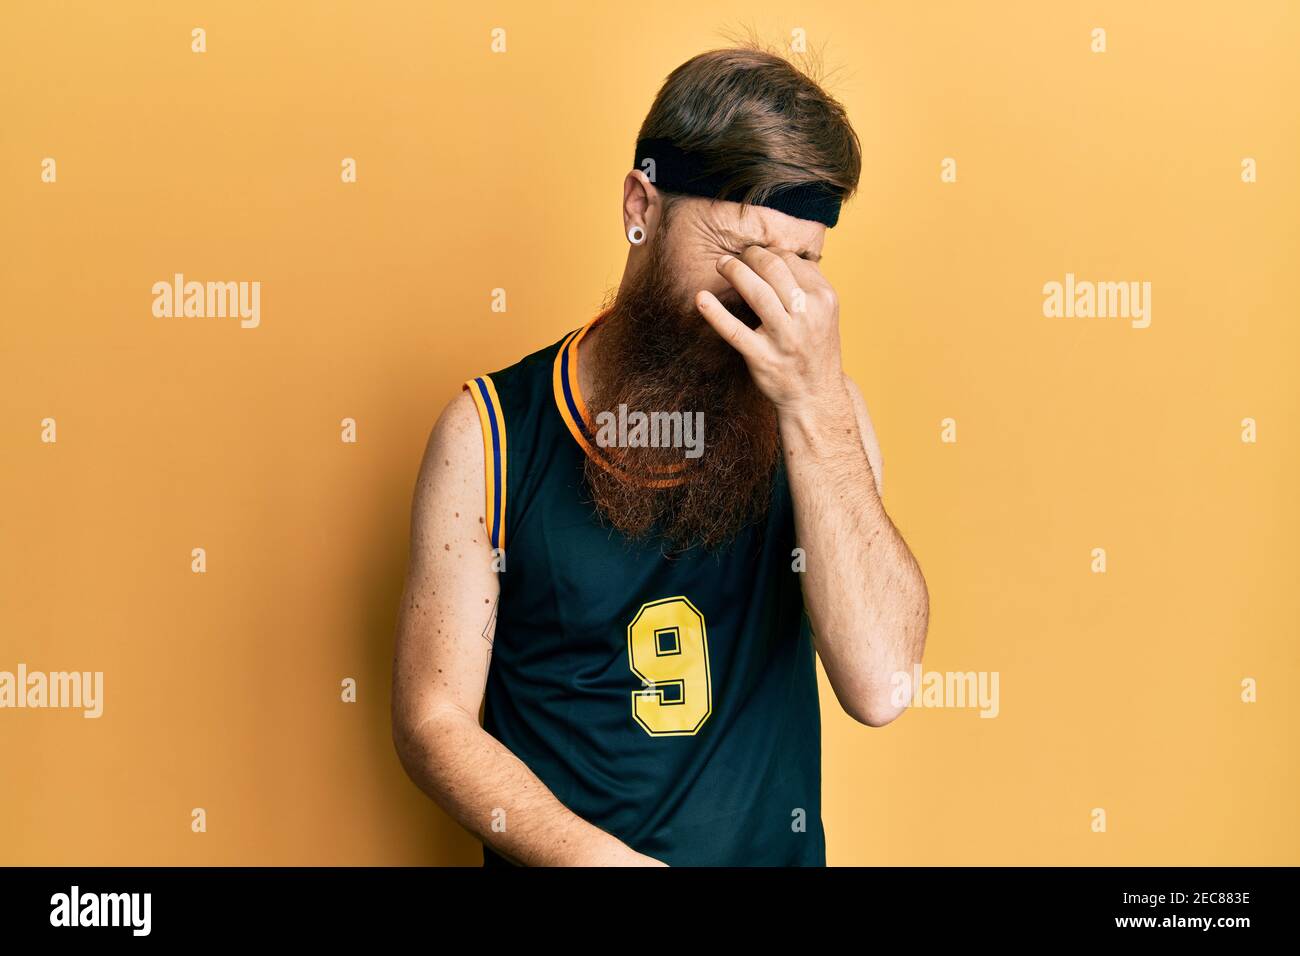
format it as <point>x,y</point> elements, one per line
<point>668,648</point>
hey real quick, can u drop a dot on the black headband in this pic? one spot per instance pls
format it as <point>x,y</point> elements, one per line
<point>678,171</point>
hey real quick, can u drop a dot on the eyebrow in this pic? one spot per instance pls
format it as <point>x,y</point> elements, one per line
<point>743,241</point>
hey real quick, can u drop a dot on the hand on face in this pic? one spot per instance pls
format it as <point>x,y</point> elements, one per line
<point>794,356</point>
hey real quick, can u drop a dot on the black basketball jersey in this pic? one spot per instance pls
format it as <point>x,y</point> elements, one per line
<point>670,700</point>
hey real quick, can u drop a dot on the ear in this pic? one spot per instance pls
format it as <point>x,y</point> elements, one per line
<point>642,204</point>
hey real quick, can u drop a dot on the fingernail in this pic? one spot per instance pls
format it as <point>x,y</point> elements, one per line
<point>725,259</point>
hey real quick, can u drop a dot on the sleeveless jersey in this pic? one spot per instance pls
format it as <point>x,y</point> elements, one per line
<point>670,700</point>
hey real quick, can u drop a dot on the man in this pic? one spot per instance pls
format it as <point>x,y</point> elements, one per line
<point>639,609</point>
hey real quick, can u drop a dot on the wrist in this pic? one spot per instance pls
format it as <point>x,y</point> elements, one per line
<point>606,850</point>
<point>820,419</point>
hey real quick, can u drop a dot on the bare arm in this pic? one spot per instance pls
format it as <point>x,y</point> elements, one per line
<point>863,590</point>
<point>865,594</point>
<point>444,647</point>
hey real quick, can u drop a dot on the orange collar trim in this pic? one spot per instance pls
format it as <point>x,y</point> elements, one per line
<point>573,408</point>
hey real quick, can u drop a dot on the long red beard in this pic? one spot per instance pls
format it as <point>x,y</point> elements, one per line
<point>655,353</point>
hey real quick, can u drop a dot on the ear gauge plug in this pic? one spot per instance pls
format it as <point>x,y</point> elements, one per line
<point>636,235</point>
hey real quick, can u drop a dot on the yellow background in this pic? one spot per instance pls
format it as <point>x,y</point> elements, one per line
<point>478,171</point>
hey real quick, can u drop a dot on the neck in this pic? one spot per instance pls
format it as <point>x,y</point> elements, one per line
<point>591,357</point>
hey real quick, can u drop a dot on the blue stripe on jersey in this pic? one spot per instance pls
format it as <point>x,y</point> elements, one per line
<point>495,531</point>
<point>568,392</point>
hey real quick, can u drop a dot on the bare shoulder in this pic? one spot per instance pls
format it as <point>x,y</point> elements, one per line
<point>454,454</point>
<point>455,437</point>
<point>449,494</point>
<point>869,441</point>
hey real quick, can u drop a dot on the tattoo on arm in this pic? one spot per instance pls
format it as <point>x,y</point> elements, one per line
<point>489,635</point>
<point>490,628</point>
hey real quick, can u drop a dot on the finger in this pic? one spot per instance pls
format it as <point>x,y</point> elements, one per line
<point>775,271</point>
<point>762,298</point>
<point>807,277</point>
<point>732,331</point>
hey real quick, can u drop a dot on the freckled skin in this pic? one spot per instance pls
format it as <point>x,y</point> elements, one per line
<point>439,675</point>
